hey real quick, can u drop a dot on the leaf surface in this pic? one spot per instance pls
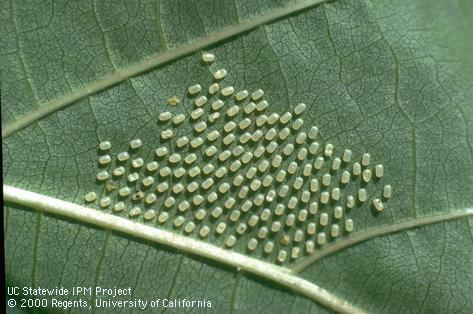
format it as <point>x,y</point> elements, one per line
<point>392,79</point>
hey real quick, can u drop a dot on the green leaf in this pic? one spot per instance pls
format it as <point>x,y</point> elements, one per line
<point>392,79</point>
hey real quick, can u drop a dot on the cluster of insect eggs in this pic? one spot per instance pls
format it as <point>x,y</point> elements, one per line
<point>292,187</point>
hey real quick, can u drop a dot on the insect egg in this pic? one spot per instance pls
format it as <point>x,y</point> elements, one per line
<point>213,117</point>
<point>271,147</point>
<point>200,127</point>
<point>105,145</point>
<point>378,204</point>
<point>366,175</point>
<point>137,196</point>
<point>212,197</point>
<point>163,186</point>
<point>196,142</point>
<point>297,124</point>
<point>362,195</point>
<point>229,203</point>
<point>178,188</point>
<point>164,172</point>
<point>173,101</point>
<point>313,208</point>
<point>148,181</point>
<point>263,166</point>
<point>123,156</point>
<point>346,155</point>
<point>387,191</point>
<point>268,247</point>
<point>169,202</point>
<point>290,219</point>
<point>261,120</point>
<point>238,180</point>
<point>105,159</point>
<point>214,88</point>
<point>298,183</point>
<point>118,207</point>
<point>259,151</point>
<point>349,225</point>
<point>134,212</point>
<point>217,212</point>
<point>198,200</point>
<point>323,219</point>
<point>265,214</point>
<point>230,241</point>
<point>284,133</point>
<point>321,238</point>
<point>152,166</point>
<point>192,187</point>
<point>235,215</point>
<point>178,119</point>
<point>179,172</point>
<point>179,221</point>
<point>257,94</point>
<point>379,171</point>
<point>197,113</point>
<point>167,134</point>
<point>241,95</point>
<point>335,230</point>
<point>350,201</point>
<point>356,169</point>
<point>125,191</point>
<point>262,105</point>
<point>224,155</point>
<point>326,178</point>
<point>163,117</point>
<point>298,235</point>
<point>213,135</point>
<point>301,138</point>
<point>302,215</point>
<point>244,123</point>
<point>328,150</point>
<point>102,175</point>
<point>336,164</point>
<point>299,109</point>
<point>253,220</point>
<point>230,126</point>
<point>204,231</point>
<point>252,243</point>
<point>338,212</point>
<point>149,214</point>
<point>302,154</point>
<point>245,207</point>
<point>200,214</point>
<point>276,162</point>
<point>217,104</point>
<point>365,159</point>
<point>183,206</point>
<point>307,170</point>
<point>336,194</point>
<point>271,195</point>
<point>305,197</point>
<point>314,185</point>
<point>208,57</point>
<point>292,168</point>
<point>163,217</point>
<point>210,151</point>
<point>150,198</point>
<point>224,187</point>
<point>90,197</point>
<point>220,74</point>
<point>311,228</point>
<point>249,108</point>
<point>282,255</point>
<point>227,91</point>
<point>200,101</point>
<point>285,118</point>
<point>245,137</point>
<point>275,226</point>
<point>137,163</point>
<point>194,89</point>
<point>345,178</point>
<point>281,176</point>
<point>283,190</point>
<point>273,118</point>
<point>318,163</point>
<point>288,149</point>
<point>189,227</point>
<point>221,228</point>
<point>292,203</point>
<point>313,131</point>
<point>105,202</point>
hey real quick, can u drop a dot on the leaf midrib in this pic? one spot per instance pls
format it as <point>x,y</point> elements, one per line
<point>153,61</point>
